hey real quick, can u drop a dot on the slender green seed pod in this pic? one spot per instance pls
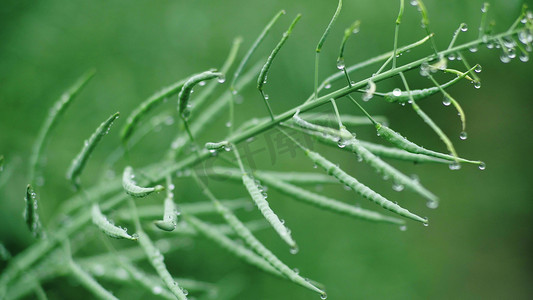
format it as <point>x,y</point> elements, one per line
<point>261,80</point>
<point>401,142</point>
<point>89,282</point>
<point>267,212</point>
<point>456,104</point>
<point>247,236</point>
<point>403,96</point>
<point>231,246</point>
<point>157,261</point>
<point>107,227</point>
<point>146,106</point>
<point>345,135</point>
<point>399,154</point>
<point>354,145</point>
<point>326,203</point>
<point>252,49</point>
<point>170,217</point>
<point>360,188</point>
<point>30,213</point>
<point>347,120</point>
<point>354,28</point>
<point>77,165</point>
<point>53,116</point>
<point>328,28</point>
<point>131,188</point>
<point>185,93</point>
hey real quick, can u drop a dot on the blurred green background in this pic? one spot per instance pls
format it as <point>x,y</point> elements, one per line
<point>478,244</point>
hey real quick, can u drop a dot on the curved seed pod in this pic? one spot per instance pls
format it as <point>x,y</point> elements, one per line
<point>170,217</point>
<point>403,96</point>
<point>185,93</point>
<point>326,203</point>
<point>360,188</point>
<point>267,212</point>
<point>347,120</point>
<point>234,248</point>
<point>399,154</point>
<point>30,212</point>
<point>375,162</point>
<point>107,227</point>
<point>401,142</point>
<point>157,261</point>
<point>133,189</point>
<point>89,282</point>
<point>145,107</point>
<point>53,116</point>
<point>354,28</point>
<point>247,236</point>
<point>261,80</point>
<point>77,165</point>
<point>304,124</point>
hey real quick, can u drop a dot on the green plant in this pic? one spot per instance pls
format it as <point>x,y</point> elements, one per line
<point>44,259</point>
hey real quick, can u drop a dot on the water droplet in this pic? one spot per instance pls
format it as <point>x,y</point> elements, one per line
<point>508,42</point>
<point>454,166</point>
<point>482,166</point>
<point>414,2</point>
<point>201,83</point>
<point>522,37</point>
<point>426,224</point>
<point>451,56</point>
<point>446,101</point>
<point>315,166</point>
<point>341,144</point>
<point>397,92</point>
<point>295,270</point>
<point>485,7</point>
<point>432,204</point>
<point>323,296</point>
<point>477,69</point>
<point>397,187</point>
<point>294,250</point>
<point>234,92</point>
<point>228,124</point>
<point>266,96</point>
<point>523,57</point>
<point>464,27</point>
<point>340,64</point>
<point>403,227</point>
<point>98,270</point>
<point>511,53</point>
<point>327,86</point>
<point>463,135</point>
<point>221,79</point>
<point>490,45</point>
<point>185,292</point>
<point>473,49</point>
<point>505,58</point>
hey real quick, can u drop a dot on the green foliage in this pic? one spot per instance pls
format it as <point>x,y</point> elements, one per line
<point>44,260</point>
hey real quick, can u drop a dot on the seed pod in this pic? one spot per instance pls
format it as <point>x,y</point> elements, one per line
<point>131,188</point>
<point>77,165</point>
